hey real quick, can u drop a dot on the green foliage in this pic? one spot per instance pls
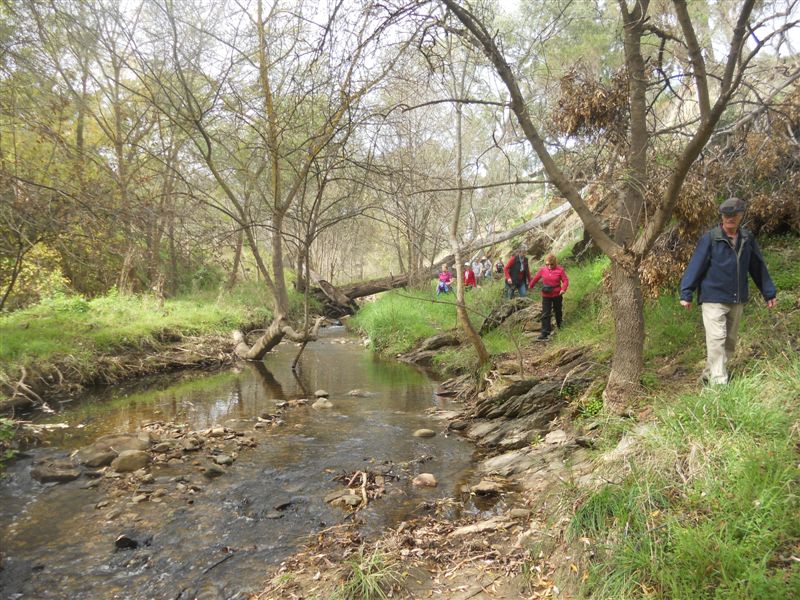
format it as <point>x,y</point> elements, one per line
<point>713,508</point>
<point>41,276</point>
<point>61,302</point>
<point>591,404</point>
<point>587,309</point>
<point>400,318</point>
<point>585,278</point>
<point>72,325</point>
<point>7,429</point>
<point>625,507</point>
<point>207,277</point>
<point>671,330</point>
<point>368,577</point>
<point>783,258</point>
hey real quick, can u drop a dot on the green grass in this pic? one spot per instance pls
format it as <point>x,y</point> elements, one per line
<point>401,318</point>
<point>712,507</point>
<point>672,330</point>
<point>74,326</point>
<point>368,577</point>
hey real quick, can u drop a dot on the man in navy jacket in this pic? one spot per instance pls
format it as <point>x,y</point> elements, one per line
<point>719,267</point>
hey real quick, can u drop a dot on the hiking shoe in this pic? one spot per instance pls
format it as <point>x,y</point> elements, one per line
<point>542,337</point>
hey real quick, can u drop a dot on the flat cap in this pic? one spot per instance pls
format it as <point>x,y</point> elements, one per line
<point>732,206</point>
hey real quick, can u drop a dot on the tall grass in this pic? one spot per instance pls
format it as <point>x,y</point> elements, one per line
<point>369,577</point>
<point>712,507</point>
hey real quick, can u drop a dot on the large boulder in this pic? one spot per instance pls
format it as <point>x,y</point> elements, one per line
<point>130,461</point>
<point>107,448</point>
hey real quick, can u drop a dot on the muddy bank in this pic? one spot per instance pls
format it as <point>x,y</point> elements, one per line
<point>65,376</point>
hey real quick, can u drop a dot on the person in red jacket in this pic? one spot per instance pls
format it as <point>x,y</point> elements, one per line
<point>469,277</point>
<point>554,284</point>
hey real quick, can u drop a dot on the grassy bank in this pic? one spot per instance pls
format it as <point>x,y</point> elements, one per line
<point>74,331</point>
<point>709,506</point>
<point>707,502</point>
<point>80,327</point>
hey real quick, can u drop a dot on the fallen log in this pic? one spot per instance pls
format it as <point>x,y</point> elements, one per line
<point>338,301</point>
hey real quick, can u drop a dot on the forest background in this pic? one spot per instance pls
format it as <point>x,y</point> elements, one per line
<point>170,147</point>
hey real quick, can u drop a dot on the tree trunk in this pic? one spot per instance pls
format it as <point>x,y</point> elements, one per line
<point>14,274</point>
<point>278,278</point>
<point>237,259</point>
<point>627,362</point>
<point>173,255</point>
<point>273,336</point>
<point>627,306</point>
<point>461,306</point>
<point>124,283</point>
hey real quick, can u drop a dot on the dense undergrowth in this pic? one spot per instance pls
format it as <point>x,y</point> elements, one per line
<point>708,505</point>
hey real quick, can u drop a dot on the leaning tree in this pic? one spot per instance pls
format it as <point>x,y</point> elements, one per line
<point>675,95</point>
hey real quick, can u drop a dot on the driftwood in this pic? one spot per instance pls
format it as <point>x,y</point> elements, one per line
<point>339,301</point>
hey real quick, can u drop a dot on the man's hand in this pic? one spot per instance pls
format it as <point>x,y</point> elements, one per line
<point>686,304</point>
<point>772,302</point>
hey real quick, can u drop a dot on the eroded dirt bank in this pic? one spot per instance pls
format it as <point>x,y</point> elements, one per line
<point>66,377</point>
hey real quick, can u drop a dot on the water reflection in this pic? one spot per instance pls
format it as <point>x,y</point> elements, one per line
<point>58,545</point>
<point>270,386</point>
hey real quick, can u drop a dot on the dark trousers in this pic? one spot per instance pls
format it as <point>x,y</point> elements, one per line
<point>549,306</point>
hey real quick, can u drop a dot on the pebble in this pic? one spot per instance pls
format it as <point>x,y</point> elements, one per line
<point>213,471</point>
<point>424,480</point>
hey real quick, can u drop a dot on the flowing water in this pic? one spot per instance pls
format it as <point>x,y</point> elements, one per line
<point>54,543</point>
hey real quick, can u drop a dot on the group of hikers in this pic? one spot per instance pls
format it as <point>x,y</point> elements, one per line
<point>717,272</point>
<point>518,279</point>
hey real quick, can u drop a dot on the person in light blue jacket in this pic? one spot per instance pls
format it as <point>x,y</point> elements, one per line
<point>719,270</point>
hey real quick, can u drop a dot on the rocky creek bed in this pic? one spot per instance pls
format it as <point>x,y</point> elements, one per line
<point>530,451</point>
<point>176,513</point>
<point>194,492</point>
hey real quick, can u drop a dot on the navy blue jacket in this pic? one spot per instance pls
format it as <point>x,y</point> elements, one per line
<point>720,270</point>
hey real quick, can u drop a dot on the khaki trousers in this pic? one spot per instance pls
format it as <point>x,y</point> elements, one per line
<point>721,322</point>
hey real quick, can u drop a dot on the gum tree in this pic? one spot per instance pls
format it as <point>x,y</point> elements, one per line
<point>268,94</point>
<point>673,88</point>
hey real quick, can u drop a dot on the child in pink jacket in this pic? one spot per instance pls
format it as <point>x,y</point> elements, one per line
<point>554,284</point>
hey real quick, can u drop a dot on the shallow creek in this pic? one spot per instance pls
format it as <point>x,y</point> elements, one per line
<point>55,543</point>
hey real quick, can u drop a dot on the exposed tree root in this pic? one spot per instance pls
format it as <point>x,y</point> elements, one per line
<point>66,375</point>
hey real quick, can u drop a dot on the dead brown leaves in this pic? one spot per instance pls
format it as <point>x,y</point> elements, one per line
<point>590,106</point>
